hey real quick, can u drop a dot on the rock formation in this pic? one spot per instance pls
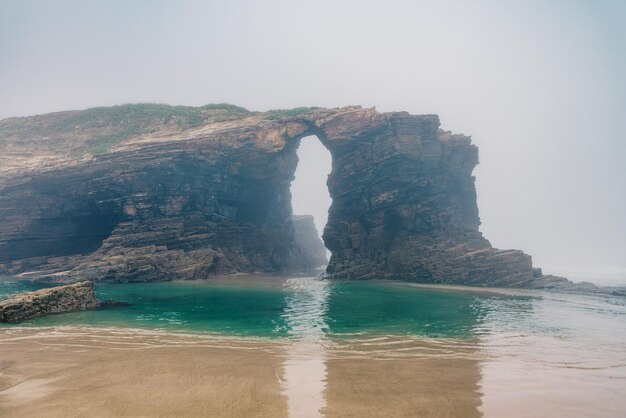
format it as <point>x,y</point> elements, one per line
<point>307,242</point>
<point>74,297</point>
<point>148,192</point>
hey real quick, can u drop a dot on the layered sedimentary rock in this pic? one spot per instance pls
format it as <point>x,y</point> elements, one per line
<point>169,200</point>
<point>70,298</point>
<point>307,242</point>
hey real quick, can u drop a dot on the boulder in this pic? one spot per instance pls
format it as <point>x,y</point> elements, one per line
<point>74,297</point>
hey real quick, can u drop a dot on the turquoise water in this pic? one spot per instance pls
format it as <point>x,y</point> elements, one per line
<point>277,308</point>
<point>301,307</point>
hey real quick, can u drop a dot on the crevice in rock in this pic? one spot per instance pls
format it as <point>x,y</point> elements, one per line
<point>310,197</point>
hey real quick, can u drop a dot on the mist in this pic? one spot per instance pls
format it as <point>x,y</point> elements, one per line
<point>309,192</point>
<point>538,85</point>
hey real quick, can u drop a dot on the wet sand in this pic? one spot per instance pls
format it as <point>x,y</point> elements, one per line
<point>87,372</point>
<point>403,378</point>
<point>92,373</point>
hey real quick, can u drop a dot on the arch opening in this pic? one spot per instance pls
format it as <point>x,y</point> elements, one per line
<point>309,190</point>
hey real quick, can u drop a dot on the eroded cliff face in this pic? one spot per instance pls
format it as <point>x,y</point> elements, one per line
<point>404,207</point>
<point>181,200</point>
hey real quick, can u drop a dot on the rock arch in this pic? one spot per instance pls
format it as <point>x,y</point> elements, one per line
<point>215,199</point>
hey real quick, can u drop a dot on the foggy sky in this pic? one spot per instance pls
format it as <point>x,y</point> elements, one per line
<point>309,193</point>
<point>539,85</point>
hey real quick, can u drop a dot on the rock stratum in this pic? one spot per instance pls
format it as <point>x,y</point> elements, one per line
<point>70,298</point>
<point>154,192</point>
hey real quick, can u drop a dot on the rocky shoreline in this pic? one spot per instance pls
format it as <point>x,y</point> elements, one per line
<point>75,297</point>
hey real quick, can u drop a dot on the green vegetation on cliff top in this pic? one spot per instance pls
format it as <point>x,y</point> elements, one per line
<point>277,114</point>
<point>137,119</point>
<point>136,113</point>
<point>98,129</point>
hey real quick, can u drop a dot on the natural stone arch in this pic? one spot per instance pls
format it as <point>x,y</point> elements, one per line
<point>404,202</point>
<point>215,199</point>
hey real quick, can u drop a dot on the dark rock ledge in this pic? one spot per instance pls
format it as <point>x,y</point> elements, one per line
<point>74,297</point>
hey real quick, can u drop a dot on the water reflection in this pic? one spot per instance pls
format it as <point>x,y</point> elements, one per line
<point>553,355</point>
<point>304,375</point>
<point>395,308</point>
<point>390,376</point>
<point>379,349</point>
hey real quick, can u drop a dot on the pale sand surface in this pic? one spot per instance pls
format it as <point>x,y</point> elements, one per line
<point>403,378</point>
<point>95,373</point>
<point>89,372</point>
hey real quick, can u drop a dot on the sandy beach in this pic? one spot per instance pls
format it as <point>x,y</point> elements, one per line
<point>298,347</point>
<point>80,372</point>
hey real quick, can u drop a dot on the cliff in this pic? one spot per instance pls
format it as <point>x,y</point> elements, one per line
<point>151,192</point>
<point>74,297</point>
<point>307,242</point>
